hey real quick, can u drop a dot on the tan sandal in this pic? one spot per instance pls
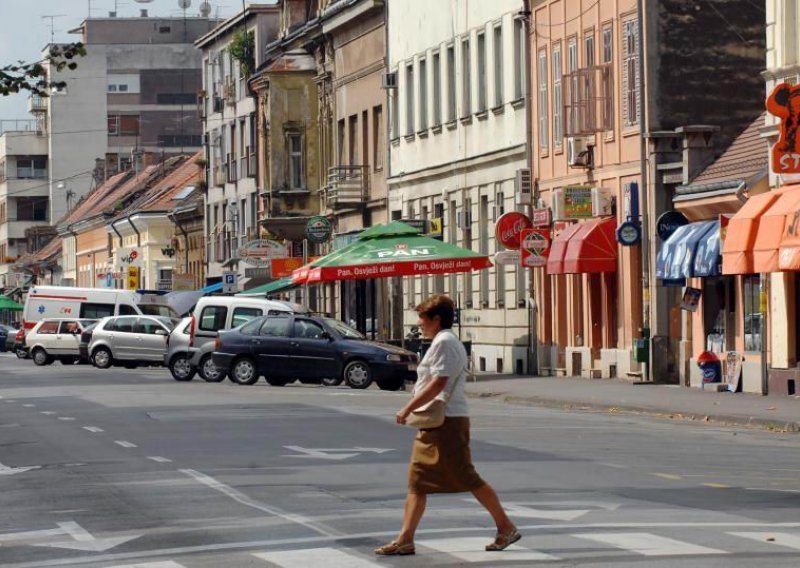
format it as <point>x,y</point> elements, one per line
<point>503,541</point>
<point>396,549</point>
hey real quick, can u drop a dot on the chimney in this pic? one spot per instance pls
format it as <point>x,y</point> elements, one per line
<point>143,13</point>
<point>112,14</point>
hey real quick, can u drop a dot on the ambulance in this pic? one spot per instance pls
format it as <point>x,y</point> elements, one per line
<point>82,303</point>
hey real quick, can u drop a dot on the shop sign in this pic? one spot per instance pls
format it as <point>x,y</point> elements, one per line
<point>541,217</point>
<point>128,256</point>
<point>318,229</point>
<point>436,228</point>
<point>507,257</point>
<point>258,252</point>
<point>629,233</point>
<point>133,278</point>
<point>261,273</point>
<point>282,267</point>
<point>733,370</point>
<point>669,222</point>
<point>508,228</point>
<point>182,282</point>
<point>578,202</point>
<point>782,103</point>
<point>535,247</point>
<point>691,299</point>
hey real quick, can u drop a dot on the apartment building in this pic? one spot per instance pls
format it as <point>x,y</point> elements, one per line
<point>228,110</point>
<point>458,139</point>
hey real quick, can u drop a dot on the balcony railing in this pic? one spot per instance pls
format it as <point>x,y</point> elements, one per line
<point>232,170</point>
<point>588,100</point>
<point>348,186</point>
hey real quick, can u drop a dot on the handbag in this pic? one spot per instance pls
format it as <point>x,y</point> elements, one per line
<point>431,415</point>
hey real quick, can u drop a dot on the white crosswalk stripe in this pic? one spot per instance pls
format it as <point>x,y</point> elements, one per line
<point>781,539</point>
<point>167,564</point>
<point>471,549</point>
<point>648,544</point>
<point>327,557</point>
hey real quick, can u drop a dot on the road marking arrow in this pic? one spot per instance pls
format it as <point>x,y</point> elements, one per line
<point>337,454</point>
<point>5,470</point>
<point>83,540</point>
<point>535,511</point>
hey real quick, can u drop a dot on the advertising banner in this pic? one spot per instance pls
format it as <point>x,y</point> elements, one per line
<point>535,247</point>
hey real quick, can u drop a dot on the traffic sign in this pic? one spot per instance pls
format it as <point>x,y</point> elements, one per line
<point>230,282</point>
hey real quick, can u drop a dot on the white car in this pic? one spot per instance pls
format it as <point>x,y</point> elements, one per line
<point>52,339</point>
<point>130,341</point>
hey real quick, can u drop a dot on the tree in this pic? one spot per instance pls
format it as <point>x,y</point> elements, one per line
<point>33,77</point>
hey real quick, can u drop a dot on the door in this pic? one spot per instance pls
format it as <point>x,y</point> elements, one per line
<point>313,351</point>
<point>151,339</point>
<point>46,337</point>
<point>270,347</point>
<point>212,319</point>
<point>122,338</point>
<point>68,338</point>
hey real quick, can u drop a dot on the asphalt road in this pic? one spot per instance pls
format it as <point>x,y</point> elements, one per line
<point>127,468</point>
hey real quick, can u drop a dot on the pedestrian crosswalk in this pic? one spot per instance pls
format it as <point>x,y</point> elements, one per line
<point>531,550</point>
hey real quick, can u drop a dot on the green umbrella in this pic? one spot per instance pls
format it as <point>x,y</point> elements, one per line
<point>7,303</point>
<point>384,251</point>
<point>273,287</point>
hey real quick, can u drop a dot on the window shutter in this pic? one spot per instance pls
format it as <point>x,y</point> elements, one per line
<point>625,77</point>
<point>635,58</point>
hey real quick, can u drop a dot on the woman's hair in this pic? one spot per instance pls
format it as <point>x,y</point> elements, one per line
<point>438,305</point>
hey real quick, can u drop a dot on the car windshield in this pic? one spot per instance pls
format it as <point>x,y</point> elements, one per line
<point>170,323</point>
<point>159,310</point>
<point>345,330</point>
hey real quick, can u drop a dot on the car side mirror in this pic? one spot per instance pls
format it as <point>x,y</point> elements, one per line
<point>162,332</point>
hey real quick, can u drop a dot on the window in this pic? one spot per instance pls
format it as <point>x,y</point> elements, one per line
<point>32,167</point>
<point>213,318</point>
<point>520,72</point>
<point>630,74</point>
<point>451,83</point>
<point>395,114</point>
<point>423,94</point>
<point>32,208</point>
<point>608,44</point>
<point>123,325</point>
<point>252,327</point>
<point>126,310</point>
<point>48,328</point>
<point>123,88</point>
<point>498,65</point>
<point>147,326</point>
<point>572,66</point>
<point>112,88</point>
<point>558,133</point>
<point>69,328</point>
<point>276,327</point>
<point>466,78</point>
<point>589,49</point>
<point>542,68</point>
<point>244,315</point>
<point>296,177</point>
<point>753,316</point>
<point>377,136</point>
<point>305,329</point>
<point>352,139</point>
<point>409,86</point>
<point>437,89</point>
<point>482,78</point>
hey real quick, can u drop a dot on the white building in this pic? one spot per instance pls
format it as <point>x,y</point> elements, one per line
<point>23,191</point>
<point>230,128</point>
<point>458,137</point>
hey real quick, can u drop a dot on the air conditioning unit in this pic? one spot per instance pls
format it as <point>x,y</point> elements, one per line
<point>579,153</point>
<point>524,186</point>
<point>389,80</point>
<point>464,220</point>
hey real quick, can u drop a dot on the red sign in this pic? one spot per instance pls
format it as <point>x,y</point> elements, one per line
<point>535,247</point>
<point>281,267</point>
<point>784,102</point>
<point>508,228</point>
<point>541,217</point>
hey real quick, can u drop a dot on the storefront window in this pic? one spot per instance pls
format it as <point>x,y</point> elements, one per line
<point>753,316</point>
<point>718,309</point>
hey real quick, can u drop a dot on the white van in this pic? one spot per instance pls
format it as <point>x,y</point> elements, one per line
<point>83,303</point>
<point>216,313</point>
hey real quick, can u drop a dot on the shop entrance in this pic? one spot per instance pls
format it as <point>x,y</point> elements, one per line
<point>358,301</point>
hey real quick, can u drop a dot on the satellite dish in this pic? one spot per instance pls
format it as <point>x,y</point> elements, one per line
<point>205,9</point>
<point>184,4</point>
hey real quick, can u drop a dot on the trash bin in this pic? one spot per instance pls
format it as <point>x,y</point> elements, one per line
<point>710,367</point>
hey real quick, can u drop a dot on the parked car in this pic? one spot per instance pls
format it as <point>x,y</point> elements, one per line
<point>56,339</point>
<point>5,331</point>
<point>216,313</point>
<point>18,344</point>
<point>312,349</point>
<point>86,339</point>
<point>130,341</point>
<point>176,359</point>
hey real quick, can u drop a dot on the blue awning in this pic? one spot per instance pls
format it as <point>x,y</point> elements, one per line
<point>707,258</point>
<point>678,254</point>
<point>212,288</point>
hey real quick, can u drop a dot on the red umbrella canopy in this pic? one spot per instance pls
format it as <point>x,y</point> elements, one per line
<point>385,251</point>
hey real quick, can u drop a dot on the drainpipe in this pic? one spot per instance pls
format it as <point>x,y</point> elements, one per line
<point>135,230</point>
<point>645,244</point>
<point>180,227</point>
<point>114,228</point>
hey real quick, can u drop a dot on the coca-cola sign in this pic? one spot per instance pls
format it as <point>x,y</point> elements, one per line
<point>508,228</point>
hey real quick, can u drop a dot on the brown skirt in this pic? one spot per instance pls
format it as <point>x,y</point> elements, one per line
<point>441,461</point>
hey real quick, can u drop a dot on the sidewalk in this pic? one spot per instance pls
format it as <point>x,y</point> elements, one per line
<point>614,395</point>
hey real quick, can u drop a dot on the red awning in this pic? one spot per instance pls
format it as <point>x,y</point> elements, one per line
<point>558,249</point>
<point>592,248</point>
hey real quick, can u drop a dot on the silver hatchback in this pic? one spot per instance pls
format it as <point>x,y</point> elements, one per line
<point>130,341</point>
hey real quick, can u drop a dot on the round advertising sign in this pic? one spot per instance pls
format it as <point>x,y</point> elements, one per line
<point>508,228</point>
<point>669,222</point>
<point>318,229</point>
<point>629,233</point>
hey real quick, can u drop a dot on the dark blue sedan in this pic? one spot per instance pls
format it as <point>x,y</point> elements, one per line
<point>283,348</point>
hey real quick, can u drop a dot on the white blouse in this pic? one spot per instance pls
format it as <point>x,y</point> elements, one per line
<point>446,357</point>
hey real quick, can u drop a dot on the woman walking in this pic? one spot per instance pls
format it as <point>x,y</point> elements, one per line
<point>441,460</point>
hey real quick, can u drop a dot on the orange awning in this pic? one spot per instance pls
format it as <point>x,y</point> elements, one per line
<point>740,237</point>
<point>789,252</point>
<point>558,249</point>
<point>593,248</point>
<point>771,228</point>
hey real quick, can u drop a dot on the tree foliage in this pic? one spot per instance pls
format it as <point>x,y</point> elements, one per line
<point>32,77</point>
<point>243,48</point>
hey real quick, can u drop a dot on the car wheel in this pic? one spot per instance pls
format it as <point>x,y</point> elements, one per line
<point>392,384</point>
<point>277,382</point>
<point>357,375</point>
<point>101,358</point>
<point>181,369</point>
<point>209,372</point>
<point>244,372</point>
<point>332,381</point>
<point>40,357</point>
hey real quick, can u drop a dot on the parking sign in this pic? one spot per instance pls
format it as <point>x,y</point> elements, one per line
<point>230,282</point>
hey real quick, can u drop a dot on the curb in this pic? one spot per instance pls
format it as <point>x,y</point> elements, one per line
<point>721,419</point>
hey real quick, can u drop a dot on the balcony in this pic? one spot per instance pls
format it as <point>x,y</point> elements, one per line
<point>37,104</point>
<point>348,187</point>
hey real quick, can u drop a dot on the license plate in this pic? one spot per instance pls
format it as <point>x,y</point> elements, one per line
<point>412,367</point>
